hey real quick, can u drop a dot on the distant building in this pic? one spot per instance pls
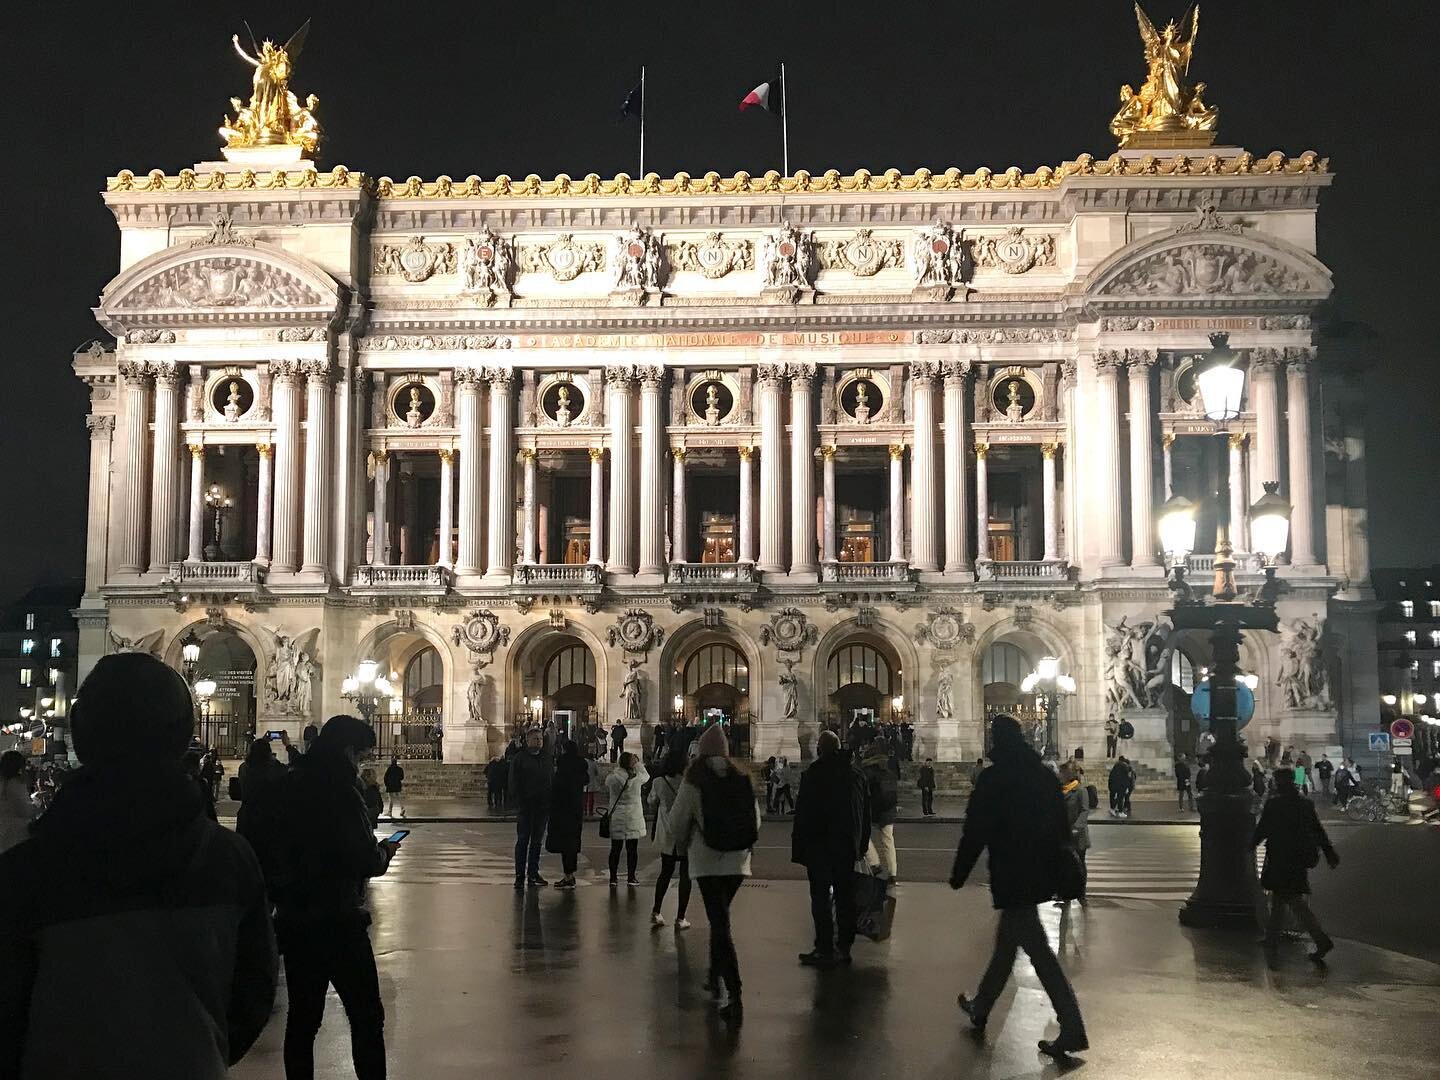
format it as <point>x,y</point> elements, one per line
<point>1409,650</point>
<point>39,645</point>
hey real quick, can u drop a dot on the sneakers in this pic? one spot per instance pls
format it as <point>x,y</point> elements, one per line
<point>565,883</point>
<point>1061,1046</point>
<point>656,920</point>
<point>634,883</point>
<point>536,879</point>
<point>519,884</point>
<point>977,1018</point>
<point>817,959</point>
<point>682,923</point>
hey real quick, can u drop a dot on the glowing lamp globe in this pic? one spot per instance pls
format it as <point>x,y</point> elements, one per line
<point>1177,527</point>
<point>1221,382</point>
<point>1270,523</point>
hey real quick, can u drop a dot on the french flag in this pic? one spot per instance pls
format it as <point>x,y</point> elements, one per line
<point>769,96</point>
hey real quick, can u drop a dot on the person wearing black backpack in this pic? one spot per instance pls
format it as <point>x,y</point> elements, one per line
<point>715,819</point>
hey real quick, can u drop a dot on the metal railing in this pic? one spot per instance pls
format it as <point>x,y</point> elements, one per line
<point>380,577</point>
<point>726,573</point>
<point>1021,570</point>
<point>408,736</point>
<point>847,572</point>
<point>559,574</point>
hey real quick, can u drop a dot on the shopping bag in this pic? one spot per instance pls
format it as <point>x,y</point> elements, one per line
<point>874,907</point>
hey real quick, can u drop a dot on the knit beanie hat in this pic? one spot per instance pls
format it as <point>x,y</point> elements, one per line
<point>713,743</point>
<point>131,707</point>
<point>1005,729</point>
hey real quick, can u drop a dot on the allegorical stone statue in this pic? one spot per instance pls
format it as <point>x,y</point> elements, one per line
<point>1165,112</point>
<point>274,116</point>
<point>1302,679</point>
<point>304,690</point>
<point>790,688</point>
<point>632,694</point>
<point>945,694</point>
<point>473,695</point>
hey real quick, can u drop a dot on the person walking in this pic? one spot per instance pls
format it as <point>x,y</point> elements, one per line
<point>394,780</point>
<point>672,856</point>
<point>138,942</point>
<point>627,816</point>
<point>830,834</point>
<point>1294,840</point>
<point>594,782</point>
<point>1077,813</point>
<point>1121,783</point>
<point>1304,763</point>
<point>618,735</point>
<point>17,809</point>
<point>532,774</point>
<point>715,819</point>
<point>1258,786</point>
<point>769,777</point>
<point>784,788</point>
<point>370,791</point>
<point>492,784</point>
<point>567,811</point>
<point>1183,789</point>
<point>318,849</point>
<point>1018,814</point>
<point>925,781</point>
<point>884,795</point>
<point>1325,770</point>
<point>190,763</point>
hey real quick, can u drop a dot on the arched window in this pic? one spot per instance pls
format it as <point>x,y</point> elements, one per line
<point>1005,663</point>
<point>858,664</point>
<point>1182,671</point>
<point>424,681</point>
<point>719,663</point>
<point>571,666</point>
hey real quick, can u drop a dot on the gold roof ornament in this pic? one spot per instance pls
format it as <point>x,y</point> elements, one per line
<point>274,117</point>
<point>1165,113</point>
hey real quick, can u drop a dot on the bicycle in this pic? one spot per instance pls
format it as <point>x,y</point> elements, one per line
<point>1376,805</point>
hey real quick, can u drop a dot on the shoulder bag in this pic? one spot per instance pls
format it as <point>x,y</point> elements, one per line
<point>605,814</point>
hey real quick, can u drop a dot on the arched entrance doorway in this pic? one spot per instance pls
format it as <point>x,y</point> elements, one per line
<point>411,724</point>
<point>715,689</point>
<point>567,687</point>
<point>863,684</point>
<point>227,719</point>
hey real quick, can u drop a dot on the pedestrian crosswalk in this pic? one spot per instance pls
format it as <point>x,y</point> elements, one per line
<point>1158,868</point>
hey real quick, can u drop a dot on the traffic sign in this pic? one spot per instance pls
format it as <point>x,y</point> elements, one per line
<point>1244,704</point>
<point>1402,729</point>
<point>1397,743</point>
<point>1379,741</point>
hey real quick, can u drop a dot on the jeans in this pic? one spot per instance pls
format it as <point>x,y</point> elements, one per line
<point>1297,903</point>
<point>1120,800</point>
<point>927,801</point>
<point>529,840</point>
<point>839,879</point>
<point>718,892</point>
<point>589,804</point>
<point>616,749</point>
<point>392,800</point>
<point>882,849</point>
<point>662,883</point>
<point>1182,793</point>
<point>632,857</point>
<point>1020,928</point>
<point>784,801</point>
<point>1112,745</point>
<point>318,956</point>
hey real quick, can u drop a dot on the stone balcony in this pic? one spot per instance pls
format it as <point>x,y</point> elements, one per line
<point>720,574</point>
<point>559,575</point>
<point>406,579</point>
<point>865,573</point>
<point>202,576</point>
<point>1205,564</point>
<point>1022,570</point>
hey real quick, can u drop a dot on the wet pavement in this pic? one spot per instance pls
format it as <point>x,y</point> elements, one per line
<point>552,983</point>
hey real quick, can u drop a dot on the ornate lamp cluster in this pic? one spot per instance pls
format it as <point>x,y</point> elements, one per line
<point>367,688</point>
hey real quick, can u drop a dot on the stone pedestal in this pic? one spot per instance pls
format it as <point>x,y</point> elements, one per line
<point>942,741</point>
<point>782,738</point>
<point>471,742</point>
<point>1151,743</point>
<point>1307,729</point>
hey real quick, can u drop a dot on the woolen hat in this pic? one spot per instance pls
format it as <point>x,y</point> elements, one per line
<point>1005,729</point>
<point>131,707</point>
<point>712,743</point>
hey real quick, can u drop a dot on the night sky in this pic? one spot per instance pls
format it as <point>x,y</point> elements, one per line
<point>527,87</point>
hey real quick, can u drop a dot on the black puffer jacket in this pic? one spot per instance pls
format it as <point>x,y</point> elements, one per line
<point>1018,813</point>
<point>1293,838</point>
<point>832,814</point>
<point>532,776</point>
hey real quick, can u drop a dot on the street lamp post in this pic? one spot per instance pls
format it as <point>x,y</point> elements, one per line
<point>1049,683</point>
<point>366,688</point>
<point>219,503</point>
<point>204,692</point>
<point>1227,891</point>
<point>189,654</point>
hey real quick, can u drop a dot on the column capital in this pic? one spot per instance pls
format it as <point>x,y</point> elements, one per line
<point>770,373</point>
<point>1237,439</point>
<point>620,375</point>
<point>1049,450</point>
<point>197,450</point>
<point>526,454</point>
<point>1263,361</point>
<point>897,451</point>
<point>499,378</point>
<point>380,456</point>
<point>167,376</point>
<point>446,455</point>
<point>100,427</point>
<point>802,376</point>
<point>981,449</point>
<point>744,452</point>
<point>955,372</point>
<point>1298,358</point>
<point>825,451</point>
<point>1067,372</point>
<point>1167,440</point>
<point>678,452</point>
<point>133,370</point>
<point>1139,361</point>
<point>317,372</point>
<point>1109,361</point>
<point>925,371</point>
<point>651,376</point>
<point>597,453</point>
<point>469,378</point>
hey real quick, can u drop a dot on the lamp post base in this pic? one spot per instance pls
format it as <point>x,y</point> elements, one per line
<point>1227,896</point>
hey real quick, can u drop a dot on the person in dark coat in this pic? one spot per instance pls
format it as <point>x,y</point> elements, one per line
<point>884,793</point>
<point>1017,812</point>
<point>831,831</point>
<point>925,781</point>
<point>532,774</point>
<point>1294,840</point>
<point>1122,784</point>
<point>1183,790</point>
<point>567,806</point>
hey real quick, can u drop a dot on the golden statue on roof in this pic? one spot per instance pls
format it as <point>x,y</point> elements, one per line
<point>274,116</point>
<point>1165,112</point>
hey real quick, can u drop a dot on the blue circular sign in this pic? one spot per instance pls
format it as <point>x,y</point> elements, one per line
<point>1244,705</point>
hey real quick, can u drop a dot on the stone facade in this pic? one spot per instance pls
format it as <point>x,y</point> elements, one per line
<point>926,415</point>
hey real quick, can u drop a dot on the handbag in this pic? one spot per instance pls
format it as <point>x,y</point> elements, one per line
<point>605,814</point>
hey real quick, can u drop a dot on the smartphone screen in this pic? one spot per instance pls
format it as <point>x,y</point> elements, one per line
<point>397,836</point>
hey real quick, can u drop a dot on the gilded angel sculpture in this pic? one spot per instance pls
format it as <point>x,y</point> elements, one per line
<point>1165,112</point>
<point>274,116</point>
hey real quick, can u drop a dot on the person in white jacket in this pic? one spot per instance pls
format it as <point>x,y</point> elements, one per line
<point>627,815</point>
<point>16,808</point>
<point>662,798</point>
<point>719,870</point>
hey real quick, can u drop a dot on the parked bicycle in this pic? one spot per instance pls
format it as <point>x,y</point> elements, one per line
<point>1376,804</point>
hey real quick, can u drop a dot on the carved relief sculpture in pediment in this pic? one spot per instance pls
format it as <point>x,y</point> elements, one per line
<point>714,256</point>
<point>222,281</point>
<point>1209,269</point>
<point>786,263</point>
<point>1014,251</point>
<point>937,261</point>
<point>635,264</point>
<point>864,254</point>
<point>487,267</point>
<point>635,632</point>
<point>563,258</point>
<point>415,260</point>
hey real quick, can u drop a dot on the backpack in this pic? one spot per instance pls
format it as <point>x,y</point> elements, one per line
<point>233,789</point>
<point>727,810</point>
<point>1092,797</point>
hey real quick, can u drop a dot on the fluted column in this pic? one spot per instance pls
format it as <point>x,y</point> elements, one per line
<point>1106,481</point>
<point>1143,541</point>
<point>1302,489</point>
<point>501,552</point>
<point>747,508</point>
<point>286,409</point>
<point>772,503</point>
<point>380,553</point>
<point>957,530</point>
<point>447,505</point>
<point>97,531</point>
<point>317,468</point>
<point>1052,503</point>
<point>197,503</point>
<point>982,504</point>
<point>802,471</point>
<point>924,524</point>
<point>1239,526</point>
<point>621,465</point>
<point>597,505</point>
<point>1265,401</point>
<point>264,506</point>
<point>652,501</point>
<point>164,498</point>
<point>528,464</point>
<point>897,502</point>
<point>467,410</point>
<point>828,543</point>
<point>678,509</point>
<point>1167,444</point>
<point>134,505</point>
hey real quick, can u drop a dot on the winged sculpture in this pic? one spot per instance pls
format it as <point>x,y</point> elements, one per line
<point>274,116</point>
<point>1165,111</point>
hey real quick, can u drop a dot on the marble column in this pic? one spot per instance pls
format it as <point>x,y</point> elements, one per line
<point>264,505</point>
<point>165,463</point>
<point>472,514</point>
<point>134,493</point>
<point>1302,489</point>
<point>447,506</point>
<point>772,502</point>
<point>317,469</point>
<point>286,409</point>
<point>343,466</point>
<point>1143,537</point>
<point>828,541</point>
<point>380,554</point>
<point>652,500</point>
<point>196,551</point>
<point>1239,526</point>
<point>622,477</point>
<point>97,533</point>
<point>897,502</point>
<point>1106,481</point>
<point>1265,401</point>
<point>529,465</point>
<point>957,529</point>
<point>1052,503</point>
<point>678,509</point>
<point>747,508</point>
<point>501,552</point>
<point>1167,444</point>
<point>802,471</point>
<point>924,522</point>
<point>982,504</point>
<point>597,505</point>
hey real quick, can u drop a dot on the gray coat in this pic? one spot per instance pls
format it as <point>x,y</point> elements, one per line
<point>1077,813</point>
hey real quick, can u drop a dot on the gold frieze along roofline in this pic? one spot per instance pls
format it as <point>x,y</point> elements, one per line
<point>1166,166</point>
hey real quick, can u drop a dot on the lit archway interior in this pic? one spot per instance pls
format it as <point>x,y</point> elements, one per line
<point>863,682</point>
<point>227,721</point>
<point>567,685</point>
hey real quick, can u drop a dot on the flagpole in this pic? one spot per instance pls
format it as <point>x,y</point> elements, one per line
<point>784,121</point>
<point>642,121</point>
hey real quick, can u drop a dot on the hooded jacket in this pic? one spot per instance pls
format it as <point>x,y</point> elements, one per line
<point>143,946</point>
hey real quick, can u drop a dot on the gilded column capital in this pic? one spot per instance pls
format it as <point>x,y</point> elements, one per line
<point>897,451</point>
<point>445,454</point>
<point>380,456</point>
<point>100,427</point>
<point>678,453</point>
<point>1237,439</point>
<point>197,450</point>
<point>770,373</point>
<point>620,375</point>
<point>826,451</point>
<point>597,454</point>
<point>981,450</point>
<point>1167,440</point>
<point>1049,450</point>
<point>745,452</point>
<point>926,371</point>
<point>526,454</point>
